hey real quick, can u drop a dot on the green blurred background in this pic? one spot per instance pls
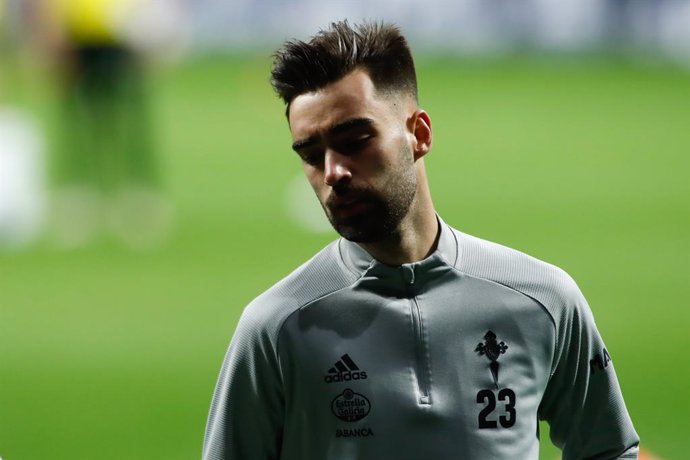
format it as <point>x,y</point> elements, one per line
<point>580,159</point>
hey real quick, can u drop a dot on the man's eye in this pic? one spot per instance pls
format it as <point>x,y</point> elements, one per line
<point>312,158</point>
<point>352,146</point>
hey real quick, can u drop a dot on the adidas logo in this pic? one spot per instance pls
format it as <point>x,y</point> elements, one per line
<point>345,370</point>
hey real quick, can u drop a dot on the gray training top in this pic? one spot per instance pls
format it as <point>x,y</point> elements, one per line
<point>452,357</point>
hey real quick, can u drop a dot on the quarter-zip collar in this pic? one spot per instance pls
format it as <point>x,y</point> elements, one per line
<point>405,279</point>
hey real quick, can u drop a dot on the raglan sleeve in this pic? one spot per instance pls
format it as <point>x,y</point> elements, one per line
<point>246,415</point>
<point>582,402</point>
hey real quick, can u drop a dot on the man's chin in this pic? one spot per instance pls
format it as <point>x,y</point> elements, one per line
<point>361,230</point>
<point>359,237</point>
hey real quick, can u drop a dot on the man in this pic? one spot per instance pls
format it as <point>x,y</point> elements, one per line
<point>404,339</point>
<point>106,134</point>
<point>106,174</point>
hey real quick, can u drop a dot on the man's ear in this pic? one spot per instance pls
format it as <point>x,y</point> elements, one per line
<point>420,127</point>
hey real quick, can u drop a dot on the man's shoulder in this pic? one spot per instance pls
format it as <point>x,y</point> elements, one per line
<point>321,275</point>
<point>548,284</point>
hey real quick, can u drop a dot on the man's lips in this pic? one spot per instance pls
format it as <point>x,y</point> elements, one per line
<point>348,208</point>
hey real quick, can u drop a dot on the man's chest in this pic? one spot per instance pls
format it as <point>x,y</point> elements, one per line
<point>464,362</point>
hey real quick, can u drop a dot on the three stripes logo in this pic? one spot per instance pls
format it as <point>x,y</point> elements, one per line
<point>344,370</point>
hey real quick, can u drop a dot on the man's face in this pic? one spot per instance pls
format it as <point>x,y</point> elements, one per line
<point>356,149</point>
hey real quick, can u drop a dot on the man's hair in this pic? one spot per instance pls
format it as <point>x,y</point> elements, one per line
<point>380,49</point>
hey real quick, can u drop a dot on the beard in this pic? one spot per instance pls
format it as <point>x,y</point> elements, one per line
<point>378,213</point>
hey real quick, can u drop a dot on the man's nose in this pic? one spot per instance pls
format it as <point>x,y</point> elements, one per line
<point>336,170</point>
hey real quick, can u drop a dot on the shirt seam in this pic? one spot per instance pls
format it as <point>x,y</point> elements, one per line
<point>297,309</point>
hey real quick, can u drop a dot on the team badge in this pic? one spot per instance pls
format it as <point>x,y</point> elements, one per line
<point>492,349</point>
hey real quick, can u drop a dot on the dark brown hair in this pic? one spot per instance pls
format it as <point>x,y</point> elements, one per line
<point>380,49</point>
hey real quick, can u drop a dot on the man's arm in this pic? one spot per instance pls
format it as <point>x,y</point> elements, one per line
<point>245,421</point>
<point>583,402</point>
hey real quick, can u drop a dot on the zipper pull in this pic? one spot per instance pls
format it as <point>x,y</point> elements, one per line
<point>408,274</point>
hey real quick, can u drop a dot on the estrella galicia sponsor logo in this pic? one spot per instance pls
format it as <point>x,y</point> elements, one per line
<point>353,433</point>
<point>350,406</point>
<point>345,370</point>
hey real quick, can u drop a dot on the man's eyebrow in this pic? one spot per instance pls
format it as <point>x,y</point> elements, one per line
<point>339,128</point>
<point>352,123</point>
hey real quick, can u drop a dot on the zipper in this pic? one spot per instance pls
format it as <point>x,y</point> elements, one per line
<point>421,347</point>
<point>423,369</point>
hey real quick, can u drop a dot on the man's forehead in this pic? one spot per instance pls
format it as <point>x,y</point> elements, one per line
<point>354,92</point>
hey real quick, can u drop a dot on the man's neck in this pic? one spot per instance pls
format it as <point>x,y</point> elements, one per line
<point>414,241</point>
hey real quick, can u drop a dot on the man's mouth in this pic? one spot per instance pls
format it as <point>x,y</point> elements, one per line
<point>348,208</point>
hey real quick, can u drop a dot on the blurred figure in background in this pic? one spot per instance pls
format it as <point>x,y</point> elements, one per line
<point>22,188</point>
<point>106,172</point>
